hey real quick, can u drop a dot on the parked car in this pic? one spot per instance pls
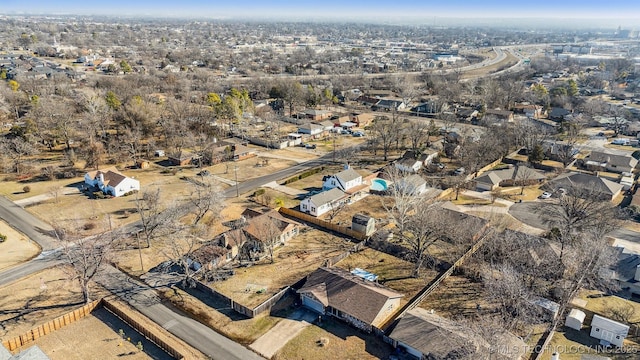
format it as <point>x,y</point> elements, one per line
<point>459,171</point>
<point>344,132</point>
<point>545,195</point>
<point>358,134</point>
<point>310,146</point>
<point>204,173</point>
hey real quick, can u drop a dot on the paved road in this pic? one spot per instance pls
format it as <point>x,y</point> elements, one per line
<point>34,228</point>
<point>525,212</point>
<point>146,300</point>
<point>140,296</point>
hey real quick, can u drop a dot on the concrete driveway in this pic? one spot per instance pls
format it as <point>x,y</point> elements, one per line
<point>268,344</point>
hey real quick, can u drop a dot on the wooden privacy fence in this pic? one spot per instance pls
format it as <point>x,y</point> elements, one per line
<point>419,297</point>
<point>142,329</point>
<point>78,314</point>
<point>323,224</point>
<point>50,326</point>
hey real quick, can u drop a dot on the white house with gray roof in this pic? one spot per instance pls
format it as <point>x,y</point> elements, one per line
<point>344,180</point>
<point>323,202</point>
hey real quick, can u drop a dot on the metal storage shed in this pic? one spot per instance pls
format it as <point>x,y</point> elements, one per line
<point>575,319</point>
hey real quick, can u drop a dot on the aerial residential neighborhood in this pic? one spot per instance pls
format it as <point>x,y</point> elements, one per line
<point>300,182</point>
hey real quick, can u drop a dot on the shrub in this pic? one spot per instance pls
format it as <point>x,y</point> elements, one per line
<point>99,195</point>
<point>259,192</point>
<point>3,238</point>
<point>26,189</point>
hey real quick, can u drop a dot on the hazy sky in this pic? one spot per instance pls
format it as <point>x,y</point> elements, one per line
<point>627,11</point>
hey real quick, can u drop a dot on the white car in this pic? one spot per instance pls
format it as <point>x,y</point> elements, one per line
<point>545,195</point>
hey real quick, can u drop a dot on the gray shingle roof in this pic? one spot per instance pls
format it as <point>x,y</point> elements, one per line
<point>327,197</point>
<point>347,175</point>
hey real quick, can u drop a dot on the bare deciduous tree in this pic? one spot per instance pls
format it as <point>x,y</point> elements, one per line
<point>385,131</point>
<point>205,198</point>
<point>155,220</point>
<point>86,257</point>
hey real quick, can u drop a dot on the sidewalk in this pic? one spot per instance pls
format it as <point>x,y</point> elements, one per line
<point>44,197</point>
<point>284,189</point>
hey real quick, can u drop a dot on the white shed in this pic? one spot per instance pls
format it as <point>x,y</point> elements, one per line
<point>575,319</point>
<point>608,330</point>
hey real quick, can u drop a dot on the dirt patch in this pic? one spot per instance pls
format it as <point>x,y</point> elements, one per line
<point>333,340</point>
<point>16,249</point>
<point>252,285</point>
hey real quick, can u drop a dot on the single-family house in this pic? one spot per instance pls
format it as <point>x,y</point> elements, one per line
<point>413,185</point>
<point>368,100</point>
<point>513,176</point>
<point>409,164</point>
<point>363,224</point>
<point>323,202</point>
<point>345,180</point>
<point>499,115</point>
<point>310,128</point>
<point>183,158</point>
<point>328,125</point>
<point>390,105</point>
<point>610,162</point>
<point>428,109</point>
<point>608,331</point>
<point>467,114</point>
<point>559,114</point>
<point>559,150</point>
<point>625,271</point>
<point>586,185</point>
<point>529,110</point>
<point>269,227</point>
<point>359,302</point>
<point>317,115</point>
<point>111,182</point>
<point>425,335</point>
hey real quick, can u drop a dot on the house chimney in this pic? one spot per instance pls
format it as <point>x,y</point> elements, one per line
<point>637,275</point>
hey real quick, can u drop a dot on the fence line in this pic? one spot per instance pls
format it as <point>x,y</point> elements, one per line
<point>50,326</point>
<point>323,224</point>
<point>142,329</point>
<point>419,297</point>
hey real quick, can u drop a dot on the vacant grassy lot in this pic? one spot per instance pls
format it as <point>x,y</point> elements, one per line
<point>250,286</point>
<point>35,299</point>
<point>219,316</point>
<point>604,305</point>
<point>16,249</point>
<point>333,340</point>
<point>392,272</point>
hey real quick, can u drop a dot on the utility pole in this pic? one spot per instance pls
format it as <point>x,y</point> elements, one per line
<point>235,170</point>
<point>334,147</point>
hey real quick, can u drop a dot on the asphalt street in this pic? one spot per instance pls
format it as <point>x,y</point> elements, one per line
<point>34,228</point>
<point>139,295</point>
<point>525,212</point>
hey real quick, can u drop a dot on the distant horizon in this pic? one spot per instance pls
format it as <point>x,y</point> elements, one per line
<point>569,13</point>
